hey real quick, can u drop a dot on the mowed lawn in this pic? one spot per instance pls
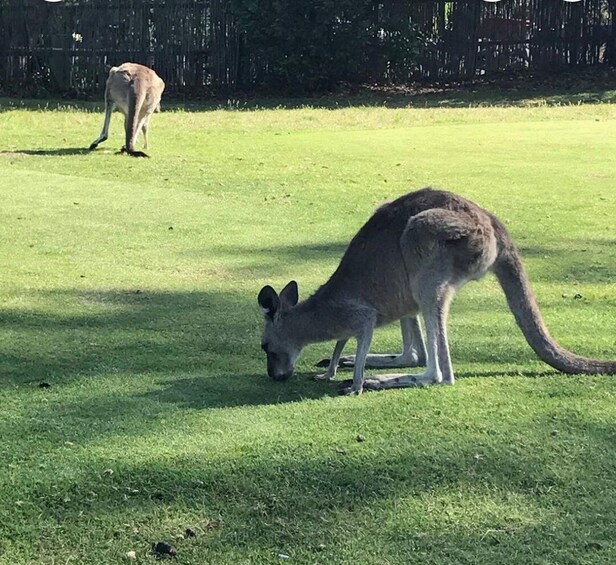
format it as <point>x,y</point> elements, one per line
<point>129,286</point>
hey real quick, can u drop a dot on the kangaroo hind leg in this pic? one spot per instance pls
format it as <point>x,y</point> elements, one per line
<point>434,304</point>
<point>144,130</point>
<point>442,249</point>
<point>413,350</point>
<point>134,120</point>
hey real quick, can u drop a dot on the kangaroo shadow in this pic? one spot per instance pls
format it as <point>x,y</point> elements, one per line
<point>136,331</point>
<point>232,391</point>
<point>49,152</point>
<point>202,348</point>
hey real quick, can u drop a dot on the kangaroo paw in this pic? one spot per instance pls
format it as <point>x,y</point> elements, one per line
<point>323,377</point>
<point>133,153</point>
<point>346,387</point>
<point>346,362</point>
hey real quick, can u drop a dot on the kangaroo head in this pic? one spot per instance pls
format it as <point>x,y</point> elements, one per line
<point>281,350</point>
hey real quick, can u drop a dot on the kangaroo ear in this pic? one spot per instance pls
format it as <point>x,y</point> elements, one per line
<point>289,295</point>
<point>268,301</point>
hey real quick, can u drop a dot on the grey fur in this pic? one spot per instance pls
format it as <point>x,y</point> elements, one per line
<point>136,90</point>
<point>410,257</point>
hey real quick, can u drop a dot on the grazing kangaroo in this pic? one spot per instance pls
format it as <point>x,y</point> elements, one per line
<point>136,90</point>
<point>410,257</point>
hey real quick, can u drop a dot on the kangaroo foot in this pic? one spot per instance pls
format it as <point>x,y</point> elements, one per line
<point>133,153</point>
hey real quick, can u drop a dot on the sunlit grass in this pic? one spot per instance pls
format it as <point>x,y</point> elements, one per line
<point>129,286</point>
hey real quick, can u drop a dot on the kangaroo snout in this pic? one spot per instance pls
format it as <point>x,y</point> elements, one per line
<point>279,375</point>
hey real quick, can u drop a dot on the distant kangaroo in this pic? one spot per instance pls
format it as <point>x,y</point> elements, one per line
<point>136,90</point>
<point>410,257</point>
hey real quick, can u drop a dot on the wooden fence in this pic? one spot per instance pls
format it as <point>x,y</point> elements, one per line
<point>472,37</point>
<point>196,46</point>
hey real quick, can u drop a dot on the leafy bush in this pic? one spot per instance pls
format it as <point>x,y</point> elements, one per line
<point>310,45</point>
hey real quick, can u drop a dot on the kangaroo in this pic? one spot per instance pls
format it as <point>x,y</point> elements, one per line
<point>136,90</point>
<point>411,257</point>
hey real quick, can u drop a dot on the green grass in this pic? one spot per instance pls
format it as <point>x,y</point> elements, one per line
<point>130,286</point>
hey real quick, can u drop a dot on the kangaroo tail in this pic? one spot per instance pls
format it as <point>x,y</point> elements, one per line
<point>521,299</point>
<point>136,98</point>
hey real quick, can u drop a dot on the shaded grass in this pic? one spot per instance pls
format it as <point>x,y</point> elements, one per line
<point>129,286</point>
